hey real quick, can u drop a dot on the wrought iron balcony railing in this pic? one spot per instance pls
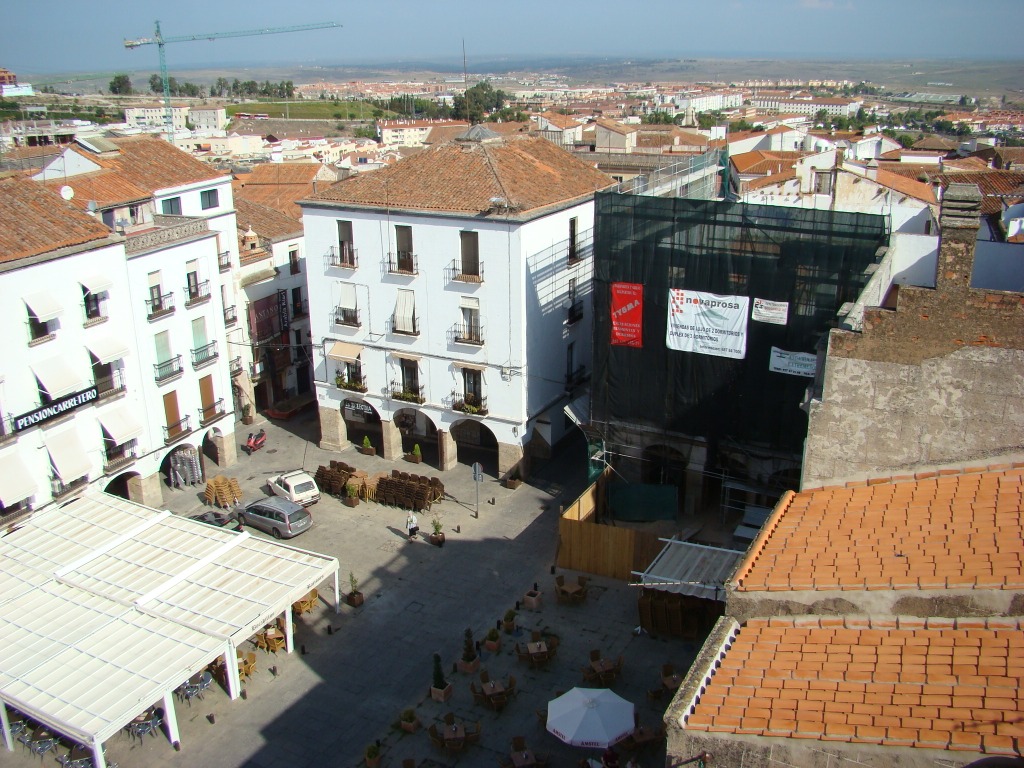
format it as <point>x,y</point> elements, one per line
<point>167,370</point>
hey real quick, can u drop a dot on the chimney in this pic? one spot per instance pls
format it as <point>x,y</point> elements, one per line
<point>959,220</point>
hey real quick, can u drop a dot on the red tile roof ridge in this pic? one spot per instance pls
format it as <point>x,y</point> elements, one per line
<point>758,543</point>
<point>917,476</point>
<point>714,661</point>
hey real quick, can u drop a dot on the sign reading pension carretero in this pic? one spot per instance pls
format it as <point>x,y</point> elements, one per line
<point>56,408</point>
<point>707,323</point>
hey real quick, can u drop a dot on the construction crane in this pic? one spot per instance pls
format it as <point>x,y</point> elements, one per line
<point>159,41</point>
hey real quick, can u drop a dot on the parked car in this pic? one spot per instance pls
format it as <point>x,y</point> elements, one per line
<point>279,517</point>
<point>219,519</point>
<point>295,486</point>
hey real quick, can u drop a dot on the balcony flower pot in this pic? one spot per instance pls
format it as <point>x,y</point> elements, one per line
<point>532,600</point>
<point>492,641</point>
<point>367,448</point>
<point>372,756</point>
<point>354,596</point>
<point>416,456</point>
<point>408,721</point>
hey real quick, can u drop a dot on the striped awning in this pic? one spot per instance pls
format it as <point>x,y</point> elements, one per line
<point>345,351</point>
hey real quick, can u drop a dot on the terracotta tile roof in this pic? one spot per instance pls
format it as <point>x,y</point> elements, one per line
<point>281,173</point>
<point>560,121</point>
<point>617,127</point>
<point>105,188</point>
<point>761,161</point>
<point>769,181</point>
<point>930,683</point>
<point>37,221</point>
<point>265,221</point>
<point>465,176</point>
<point>965,164</point>
<point>278,186</point>
<point>935,142</point>
<point>153,164</point>
<point>995,185</point>
<point>955,531</point>
<point>919,190</point>
<point>511,127</point>
<point>441,134</point>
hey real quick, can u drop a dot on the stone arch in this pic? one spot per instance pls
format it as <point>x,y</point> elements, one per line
<point>417,428</point>
<point>362,420</point>
<point>125,485</point>
<point>475,442</point>
<point>183,466</point>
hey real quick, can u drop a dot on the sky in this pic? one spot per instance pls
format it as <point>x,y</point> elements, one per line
<point>64,36</point>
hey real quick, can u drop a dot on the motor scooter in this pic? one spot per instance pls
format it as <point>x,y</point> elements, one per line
<point>255,442</point>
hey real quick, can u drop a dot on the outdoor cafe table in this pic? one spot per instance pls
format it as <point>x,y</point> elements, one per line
<point>571,588</point>
<point>453,732</point>
<point>538,648</point>
<point>521,759</point>
<point>493,688</point>
<point>603,665</point>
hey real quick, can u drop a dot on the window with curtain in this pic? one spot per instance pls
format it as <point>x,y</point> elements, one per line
<point>405,312</point>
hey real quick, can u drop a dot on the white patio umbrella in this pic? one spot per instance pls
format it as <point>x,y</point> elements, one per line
<point>590,717</point>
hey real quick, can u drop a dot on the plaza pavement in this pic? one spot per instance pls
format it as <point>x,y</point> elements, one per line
<point>352,674</point>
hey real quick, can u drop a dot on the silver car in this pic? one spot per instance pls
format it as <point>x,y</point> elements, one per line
<point>279,517</point>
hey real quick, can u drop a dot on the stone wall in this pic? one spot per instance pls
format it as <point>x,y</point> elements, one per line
<point>938,380</point>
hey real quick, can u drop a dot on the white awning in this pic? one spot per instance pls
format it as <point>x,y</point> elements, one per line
<point>57,377</point>
<point>44,306</point>
<point>691,569</point>
<point>107,349</point>
<point>405,355</point>
<point>471,366</point>
<point>469,302</point>
<point>405,311</point>
<point>343,350</point>
<point>120,424</point>
<point>68,455</point>
<point>348,296</point>
<point>16,482</point>
<point>97,283</point>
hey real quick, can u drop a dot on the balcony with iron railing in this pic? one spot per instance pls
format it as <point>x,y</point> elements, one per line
<point>59,489</point>
<point>463,273</point>
<point>224,261</point>
<point>355,383</point>
<point>117,456</point>
<point>211,412</point>
<point>403,263</point>
<point>576,377</point>
<point>346,316</point>
<point>177,430</point>
<point>160,306</point>
<point>475,405</point>
<point>7,429</point>
<point>230,315</point>
<point>575,312</point>
<point>468,333</point>
<point>343,256</point>
<point>112,385</point>
<point>197,294</point>
<point>407,394</point>
<point>407,327</point>
<point>167,370</point>
<point>235,366</point>
<point>204,355</point>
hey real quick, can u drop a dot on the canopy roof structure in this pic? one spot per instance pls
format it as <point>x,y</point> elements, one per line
<point>106,606</point>
<point>690,569</point>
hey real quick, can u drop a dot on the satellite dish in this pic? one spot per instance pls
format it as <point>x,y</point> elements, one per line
<point>67,192</point>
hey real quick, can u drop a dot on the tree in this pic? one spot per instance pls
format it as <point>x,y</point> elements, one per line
<point>121,85</point>
<point>477,101</point>
<point>156,85</point>
<point>659,118</point>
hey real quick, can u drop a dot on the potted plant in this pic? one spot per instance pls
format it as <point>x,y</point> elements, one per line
<point>514,479</point>
<point>351,495</point>
<point>416,456</point>
<point>509,622</point>
<point>247,413</point>
<point>367,449</point>
<point>354,596</point>
<point>532,600</point>
<point>492,640</point>
<point>408,721</point>
<point>470,661</point>
<point>437,537</point>
<point>372,755</point>
<point>441,690</point>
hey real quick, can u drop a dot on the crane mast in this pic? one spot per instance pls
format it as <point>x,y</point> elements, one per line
<point>160,41</point>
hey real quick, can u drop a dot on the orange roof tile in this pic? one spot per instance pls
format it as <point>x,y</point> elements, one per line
<point>916,189</point>
<point>264,220</point>
<point>281,173</point>
<point>37,221</point>
<point>953,531</point>
<point>106,188</point>
<point>153,164</point>
<point>769,181</point>
<point>952,684</point>
<point>466,176</point>
<point>761,161</point>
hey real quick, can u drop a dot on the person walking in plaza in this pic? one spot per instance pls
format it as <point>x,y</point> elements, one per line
<point>412,525</point>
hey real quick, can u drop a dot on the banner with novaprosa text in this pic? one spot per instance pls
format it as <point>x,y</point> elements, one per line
<point>627,314</point>
<point>793,363</point>
<point>707,323</point>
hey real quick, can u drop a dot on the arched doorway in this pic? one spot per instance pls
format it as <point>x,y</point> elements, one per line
<point>119,485</point>
<point>361,421</point>
<point>183,467</point>
<point>417,429</point>
<point>476,443</point>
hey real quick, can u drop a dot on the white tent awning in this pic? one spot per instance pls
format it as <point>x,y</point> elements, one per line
<point>96,283</point>
<point>107,349</point>
<point>343,350</point>
<point>691,569</point>
<point>44,306</point>
<point>120,424</point>
<point>57,377</point>
<point>16,483</point>
<point>68,455</point>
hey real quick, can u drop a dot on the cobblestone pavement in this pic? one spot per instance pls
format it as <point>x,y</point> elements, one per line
<point>352,674</point>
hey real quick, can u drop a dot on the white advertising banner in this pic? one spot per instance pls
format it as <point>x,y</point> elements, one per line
<point>775,312</point>
<point>707,323</point>
<point>793,363</point>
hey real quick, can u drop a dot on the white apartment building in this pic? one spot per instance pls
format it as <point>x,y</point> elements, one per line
<point>808,106</point>
<point>411,133</point>
<point>208,118</point>
<point>124,349</point>
<point>453,307</point>
<point>153,117</point>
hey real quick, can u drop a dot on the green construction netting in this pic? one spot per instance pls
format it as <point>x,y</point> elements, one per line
<point>643,502</point>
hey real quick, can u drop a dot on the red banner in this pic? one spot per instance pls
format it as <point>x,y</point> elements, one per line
<point>627,314</point>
